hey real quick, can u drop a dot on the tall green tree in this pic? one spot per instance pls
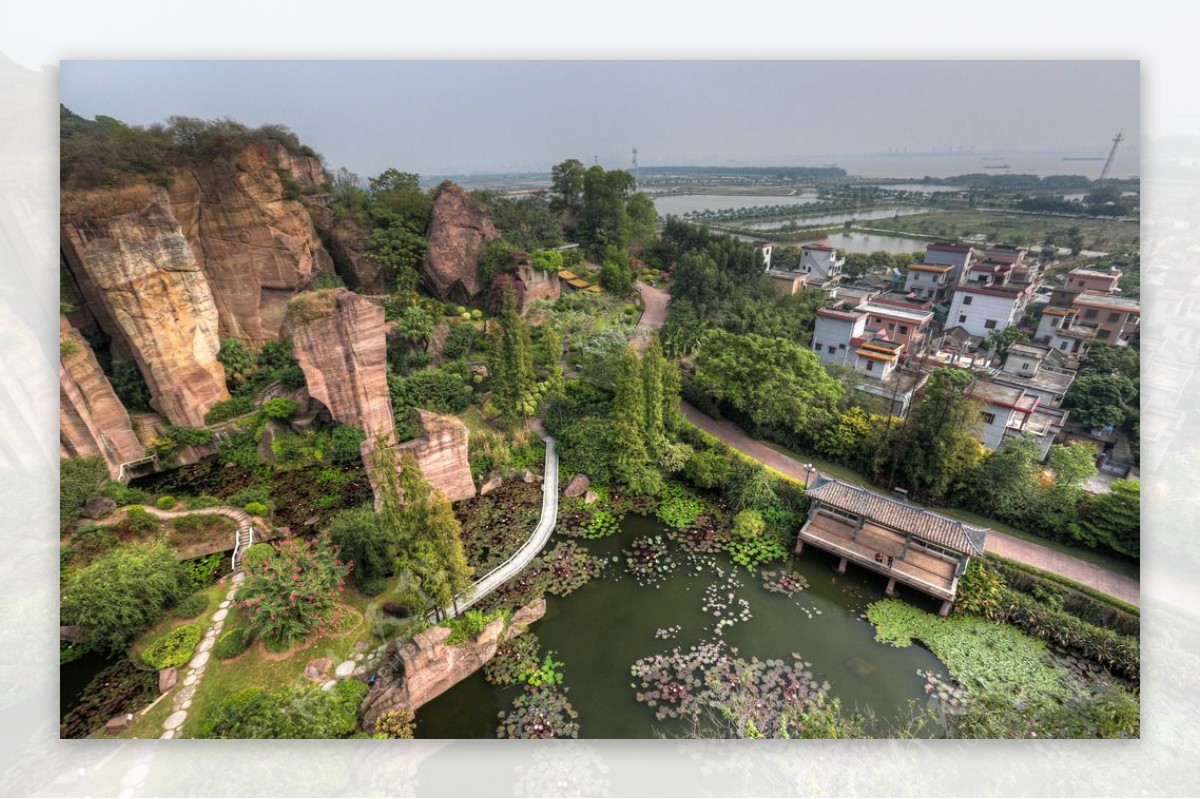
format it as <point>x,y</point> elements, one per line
<point>654,366</point>
<point>643,218</point>
<point>936,445</point>
<point>361,540</point>
<point>1112,520</point>
<point>237,358</point>
<point>552,349</point>
<point>1100,400</point>
<point>603,221</point>
<point>566,184</point>
<point>510,361</point>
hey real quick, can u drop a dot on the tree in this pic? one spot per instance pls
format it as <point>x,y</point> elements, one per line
<point>347,190</point>
<point>399,249</point>
<point>566,185</point>
<point>653,367</point>
<point>1075,240</point>
<point>629,418</point>
<point>616,278</point>
<point>1112,520</point>
<point>123,592</point>
<point>603,220</point>
<point>936,444</point>
<point>1004,485</point>
<point>415,327</point>
<point>1001,340</point>
<point>510,360</point>
<point>1072,464</point>
<point>362,541</point>
<point>1098,401</point>
<point>643,217</point>
<point>552,359</point>
<point>436,552</point>
<point>79,479</point>
<point>294,592</point>
<point>237,359</point>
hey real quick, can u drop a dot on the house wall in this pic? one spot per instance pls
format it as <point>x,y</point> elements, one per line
<point>991,432</point>
<point>958,260</point>
<point>973,316</point>
<point>836,334</point>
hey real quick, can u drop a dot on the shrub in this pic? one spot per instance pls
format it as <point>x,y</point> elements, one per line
<point>295,592</point>
<point>397,724</point>
<point>173,648</point>
<point>228,409</point>
<point>372,586</point>
<point>191,606</point>
<point>294,711</point>
<point>255,508</point>
<point>232,643</point>
<point>201,571</point>
<point>92,540</point>
<point>461,342</point>
<point>707,470</point>
<point>123,494</point>
<point>141,521</point>
<point>258,554</point>
<point>165,503</point>
<point>202,501</point>
<point>468,625</point>
<point>346,444</point>
<point>79,479</point>
<point>279,408</point>
<point>361,539</point>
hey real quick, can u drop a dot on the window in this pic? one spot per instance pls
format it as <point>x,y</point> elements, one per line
<point>1025,366</point>
<point>967,299</point>
<point>962,318</point>
<point>870,366</point>
<point>1062,346</point>
<point>1090,313</point>
<point>1114,316</point>
<point>988,418</point>
<point>831,349</point>
<point>841,346</point>
<point>1103,334</point>
<point>990,324</point>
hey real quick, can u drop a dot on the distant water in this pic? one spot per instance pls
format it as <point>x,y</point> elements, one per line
<point>681,204</point>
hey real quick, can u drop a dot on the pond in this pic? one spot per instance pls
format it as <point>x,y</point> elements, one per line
<point>840,218</point>
<point>680,204</point>
<point>867,243</point>
<point>602,629</point>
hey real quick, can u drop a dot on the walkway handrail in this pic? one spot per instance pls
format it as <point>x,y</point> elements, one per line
<point>521,558</point>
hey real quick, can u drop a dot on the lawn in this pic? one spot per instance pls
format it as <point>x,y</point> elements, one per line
<point>1021,229</point>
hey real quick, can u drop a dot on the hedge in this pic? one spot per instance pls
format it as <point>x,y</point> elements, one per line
<point>173,648</point>
<point>1082,601</point>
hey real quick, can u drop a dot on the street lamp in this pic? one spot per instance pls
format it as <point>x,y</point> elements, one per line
<point>808,470</point>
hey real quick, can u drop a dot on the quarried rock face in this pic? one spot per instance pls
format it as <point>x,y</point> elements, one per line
<point>459,231</point>
<point>256,247</point>
<point>441,454</point>
<point>539,285</point>
<point>345,237</point>
<point>92,420</point>
<point>428,667</point>
<point>339,340</point>
<point>147,291</point>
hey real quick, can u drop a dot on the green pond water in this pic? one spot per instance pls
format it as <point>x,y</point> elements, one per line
<point>599,631</point>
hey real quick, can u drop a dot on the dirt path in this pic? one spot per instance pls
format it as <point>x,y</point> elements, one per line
<point>654,313</point>
<point>1027,552</point>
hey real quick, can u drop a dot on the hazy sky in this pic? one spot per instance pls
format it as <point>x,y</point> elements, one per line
<point>464,116</point>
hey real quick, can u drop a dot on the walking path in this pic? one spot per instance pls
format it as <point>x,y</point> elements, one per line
<point>242,539</point>
<point>521,558</point>
<point>1027,552</point>
<point>654,313</point>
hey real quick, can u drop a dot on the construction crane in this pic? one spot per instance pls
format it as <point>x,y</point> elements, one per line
<point>635,168</point>
<point>1111,154</point>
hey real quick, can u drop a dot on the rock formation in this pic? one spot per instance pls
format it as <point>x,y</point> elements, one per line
<point>459,232</point>
<point>146,290</point>
<point>441,453</point>
<point>345,237</point>
<point>338,338</point>
<point>427,667</point>
<point>256,247</point>
<point>92,420</point>
<point>539,285</point>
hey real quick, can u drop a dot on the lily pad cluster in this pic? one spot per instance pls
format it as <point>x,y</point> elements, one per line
<point>947,690</point>
<point>514,657</point>
<point>666,633</point>
<point>539,713</point>
<point>783,582</point>
<point>722,602</point>
<point>649,561</point>
<point>706,537</point>
<point>559,571</point>
<point>496,525</point>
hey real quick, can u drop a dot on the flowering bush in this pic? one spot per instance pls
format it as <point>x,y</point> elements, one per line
<point>294,592</point>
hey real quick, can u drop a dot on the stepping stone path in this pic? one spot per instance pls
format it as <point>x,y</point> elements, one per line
<point>182,701</point>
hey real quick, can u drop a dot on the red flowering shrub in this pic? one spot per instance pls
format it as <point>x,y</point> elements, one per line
<point>294,592</point>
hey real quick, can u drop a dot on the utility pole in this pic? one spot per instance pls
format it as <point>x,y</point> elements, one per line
<point>1111,154</point>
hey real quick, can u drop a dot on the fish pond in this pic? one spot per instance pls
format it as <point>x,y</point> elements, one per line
<point>807,631</point>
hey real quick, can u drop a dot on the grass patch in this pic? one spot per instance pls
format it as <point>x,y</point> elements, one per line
<point>982,655</point>
<point>1021,229</point>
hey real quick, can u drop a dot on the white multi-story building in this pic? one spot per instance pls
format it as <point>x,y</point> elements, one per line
<point>765,248</point>
<point>986,302</point>
<point>942,253</point>
<point>820,263</point>
<point>930,281</point>
<point>1010,412</point>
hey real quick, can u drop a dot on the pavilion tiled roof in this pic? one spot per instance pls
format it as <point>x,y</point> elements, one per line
<point>921,522</point>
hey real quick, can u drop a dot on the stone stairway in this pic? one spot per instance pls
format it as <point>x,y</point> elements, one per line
<point>244,540</point>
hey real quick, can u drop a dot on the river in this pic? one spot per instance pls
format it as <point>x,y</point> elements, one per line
<point>602,629</point>
<point>680,204</point>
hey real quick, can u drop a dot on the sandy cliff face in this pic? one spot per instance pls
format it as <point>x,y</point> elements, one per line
<point>256,248</point>
<point>441,454</point>
<point>539,285</point>
<point>345,238</point>
<point>459,232</point>
<point>146,290</point>
<point>92,421</point>
<point>340,343</point>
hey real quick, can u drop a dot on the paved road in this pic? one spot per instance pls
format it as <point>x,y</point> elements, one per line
<point>654,313</point>
<point>541,534</point>
<point>1018,549</point>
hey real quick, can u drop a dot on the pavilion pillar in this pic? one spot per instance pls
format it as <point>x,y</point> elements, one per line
<point>891,587</point>
<point>907,542</point>
<point>841,567</point>
<point>944,610</point>
<point>799,550</point>
<point>857,529</point>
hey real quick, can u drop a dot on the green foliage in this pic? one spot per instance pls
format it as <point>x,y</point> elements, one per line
<point>547,260</point>
<point>279,408</point>
<point>68,347</point>
<point>201,571</point>
<point>229,409</point>
<point>937,443</point>
<point>79,479</point>
<point>300,710</point>
<point>510,361</point>
<point>396,724</point>
<point>602,524</point>
<point>173,648</point>
<point>442,390</point>
<point>166,502</point>
<point>468,625</point>
<point>254,558</point>
<point>1112,520</point>
<point>191,606</point>
<point>232,643</point>
<point>461,342</point>
<point>616,278</point>
<point>981,654</point>
<point>130,386</point>
<point>707,469</point>
<point>566,184</point>
<point>547,673</point>
<point>678,507</point>
<point>528,222</point>
<point>327,280</point>
<point>295,592</point>
<point>980,591</point>
<point>125,495</point>
<point>1107,713</point>
<point>346,444</point>
<point>141,521</point>
<point>255,508</point>
<point>122,593</point>
<point>748,525</point>
<point>237,358</point>
<point>173,438</point>
<point>1098,401</point>
<point>754,552</point>
<point>365,543</point>
<point>276,355</point>
<point>603,219</point>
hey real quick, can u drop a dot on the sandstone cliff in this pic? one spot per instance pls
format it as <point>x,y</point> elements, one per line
<point>256,247</point>
<point>345,237</point>
<point>147,292</point>
<point>459,232</point>
<point>426,667</point>
<point>339,340</point>
<point>539,285</point>
<point>441,454</point>
<point>92,421</point>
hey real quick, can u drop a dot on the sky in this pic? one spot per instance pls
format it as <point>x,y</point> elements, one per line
<point>457,117</point>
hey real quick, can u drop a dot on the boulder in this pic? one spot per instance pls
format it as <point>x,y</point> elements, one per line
<point>491,485</point>
<point>459,232</point>
<point>167,679</point>
<point>272,430</point>
<point>530,477</point>
<point>346,237</point>
<point>98,507</point>
<point>524,617</point>
<point>119,723</point>
<point>578,485</point>
<point>590,497</point>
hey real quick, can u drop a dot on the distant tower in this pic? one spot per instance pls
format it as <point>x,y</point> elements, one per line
<point>1111,154</point>
<point>635,168</point>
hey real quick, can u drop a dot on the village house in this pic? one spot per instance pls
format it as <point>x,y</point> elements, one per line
<point>988,301</point>
<point>765,248</point>
<point>820,263</point>
<point>908,544</point>
<point>942,253</point>
<point>838,333</point>
<point>1116,319</point>
<point>1009,411</point>
<point>786,283</point>
<point>1027,367</point>
<point>929,281</point>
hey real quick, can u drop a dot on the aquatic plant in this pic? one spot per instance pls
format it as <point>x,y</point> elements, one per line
<point>539,713</point>
<point>678,507</point>
<point>512,659</point>
<point>649,560</point>
<point>783,582</point>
